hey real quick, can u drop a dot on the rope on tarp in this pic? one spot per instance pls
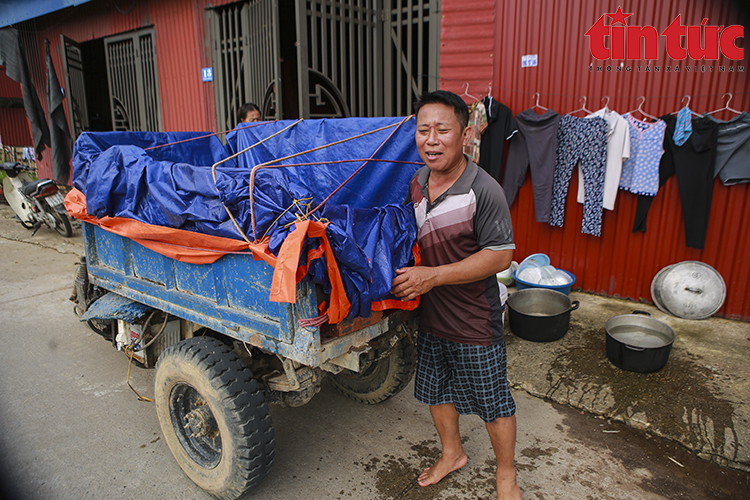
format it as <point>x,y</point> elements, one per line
<point>240,126</point>
<point>213,173</point>
<point>359,169</point>
<point>270,164</point>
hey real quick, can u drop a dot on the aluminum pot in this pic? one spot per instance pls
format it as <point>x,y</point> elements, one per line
<point>540,314</point>
<point>638,343</point>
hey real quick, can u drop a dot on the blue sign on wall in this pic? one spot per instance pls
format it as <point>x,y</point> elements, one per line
<point>207,74</point>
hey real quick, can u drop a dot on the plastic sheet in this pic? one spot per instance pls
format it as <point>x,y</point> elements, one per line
<point>367,228</point>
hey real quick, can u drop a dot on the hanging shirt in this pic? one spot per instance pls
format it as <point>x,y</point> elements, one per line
<point>478,124</point>
<point>618,150</point>
<point>684,126</point>
<point>640,173</point>
<point>500,127</point>
<point>733,151</point>
<point>693,165</point>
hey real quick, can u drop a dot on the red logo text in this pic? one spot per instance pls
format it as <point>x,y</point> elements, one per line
<point>642,42</point>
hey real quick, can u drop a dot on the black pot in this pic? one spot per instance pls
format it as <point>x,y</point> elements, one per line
<point>540,314</point>
<point>638,343</point>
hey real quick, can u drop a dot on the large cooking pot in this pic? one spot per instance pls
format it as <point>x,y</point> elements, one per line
<point>540,314</point>
<point>638,343</point>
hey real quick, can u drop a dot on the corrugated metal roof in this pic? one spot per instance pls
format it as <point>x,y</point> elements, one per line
<point>620,262</point>
<point>17,12</point>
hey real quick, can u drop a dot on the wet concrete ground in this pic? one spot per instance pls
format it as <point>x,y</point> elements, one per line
<point>70,428</point>
<point>701,398</point>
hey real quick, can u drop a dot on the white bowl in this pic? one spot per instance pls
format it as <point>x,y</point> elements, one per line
<point>506,277</point>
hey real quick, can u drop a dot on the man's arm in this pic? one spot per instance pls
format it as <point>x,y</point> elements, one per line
<point>411,282</point>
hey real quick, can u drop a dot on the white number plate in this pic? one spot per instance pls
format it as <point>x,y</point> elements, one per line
<point>55,200</point>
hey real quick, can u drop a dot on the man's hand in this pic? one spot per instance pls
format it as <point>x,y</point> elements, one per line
<point>411,282</point>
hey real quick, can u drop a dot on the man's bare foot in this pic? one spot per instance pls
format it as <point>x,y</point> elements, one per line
<point>440,469</point>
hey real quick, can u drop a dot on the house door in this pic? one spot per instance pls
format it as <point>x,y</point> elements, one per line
<point>246,60</point>
<point>133,81</point>
<point>411,52</point>
<point>74,83</point>
<point>337,58</point>
<point>366,57</point>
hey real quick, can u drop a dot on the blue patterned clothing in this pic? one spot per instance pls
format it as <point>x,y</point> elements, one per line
<point>684,126</point>
<point>640,173</point>
<point>583,139</point>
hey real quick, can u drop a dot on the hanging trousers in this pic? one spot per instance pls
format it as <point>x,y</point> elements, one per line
<point>693,164</point>
<point>533,146</point>
<point>583,139</point>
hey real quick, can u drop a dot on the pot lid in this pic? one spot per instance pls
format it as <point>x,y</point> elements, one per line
<point>690,290</point>
<point>656,285</point>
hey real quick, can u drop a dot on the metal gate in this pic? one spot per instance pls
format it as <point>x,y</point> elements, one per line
<point>133,81</point>
<point>340,68</point>
<point>411,52</point>
<point>246,60</point>
<point>371,57</point>
<point>73,67</point>
<point>360,57</point>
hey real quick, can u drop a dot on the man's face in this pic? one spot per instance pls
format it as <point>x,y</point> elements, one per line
<point>252,116</point>
<point>439,137</point>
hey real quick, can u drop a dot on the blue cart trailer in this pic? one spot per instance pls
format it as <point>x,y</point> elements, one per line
<point>222,350</point>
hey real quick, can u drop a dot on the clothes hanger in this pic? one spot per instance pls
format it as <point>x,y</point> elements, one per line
<point>583,108</point>
<point>726,106</point>
<point>606,104</point>
<point>640,109</point>
<point>686,105</point>
<point>489,100</point>
<point>466,92</point>
<point>536,105</point>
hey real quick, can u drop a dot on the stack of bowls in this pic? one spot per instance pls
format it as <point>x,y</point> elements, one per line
<point>540,263</point>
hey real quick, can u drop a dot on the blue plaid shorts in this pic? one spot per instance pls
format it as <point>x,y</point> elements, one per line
<point>472,377</point>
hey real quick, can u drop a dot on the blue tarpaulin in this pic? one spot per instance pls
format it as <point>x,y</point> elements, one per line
<point>371,231</point>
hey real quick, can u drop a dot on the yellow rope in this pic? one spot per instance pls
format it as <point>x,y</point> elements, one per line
<point>131,352</point>
<point>295,203</point>
<point>270,162</point>
<point>213,173</point>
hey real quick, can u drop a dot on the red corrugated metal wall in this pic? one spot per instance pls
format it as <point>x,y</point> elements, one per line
<point>182,49</point>
<point>14,128</point>
<point>620,262</point>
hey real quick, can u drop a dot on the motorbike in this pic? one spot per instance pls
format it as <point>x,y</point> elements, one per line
<point>35,202</point>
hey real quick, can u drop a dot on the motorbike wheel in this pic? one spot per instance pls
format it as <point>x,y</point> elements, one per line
<point>62,223</point>
<point>381,379</point>
<point>214,417</point>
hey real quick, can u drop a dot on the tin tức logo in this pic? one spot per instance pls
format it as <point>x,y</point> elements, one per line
<point>696,42</point>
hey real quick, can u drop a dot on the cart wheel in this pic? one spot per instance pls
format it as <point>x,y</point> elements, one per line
<point>214,417</point>
<point>381,379</point>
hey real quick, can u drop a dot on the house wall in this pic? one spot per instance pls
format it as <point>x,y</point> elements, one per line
<point>620,262</point>
<point>182,42</point>
<point>14,128</point>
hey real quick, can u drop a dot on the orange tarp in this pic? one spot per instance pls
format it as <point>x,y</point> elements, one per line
<point>198,248</point>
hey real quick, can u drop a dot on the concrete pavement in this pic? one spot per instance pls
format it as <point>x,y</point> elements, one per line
<point>70,428</point>
<point>700,399</point>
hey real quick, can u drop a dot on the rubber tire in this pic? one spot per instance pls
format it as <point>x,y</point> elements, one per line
<point>228,388</point>
<point>382,379</point>
<point>62,223</point>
